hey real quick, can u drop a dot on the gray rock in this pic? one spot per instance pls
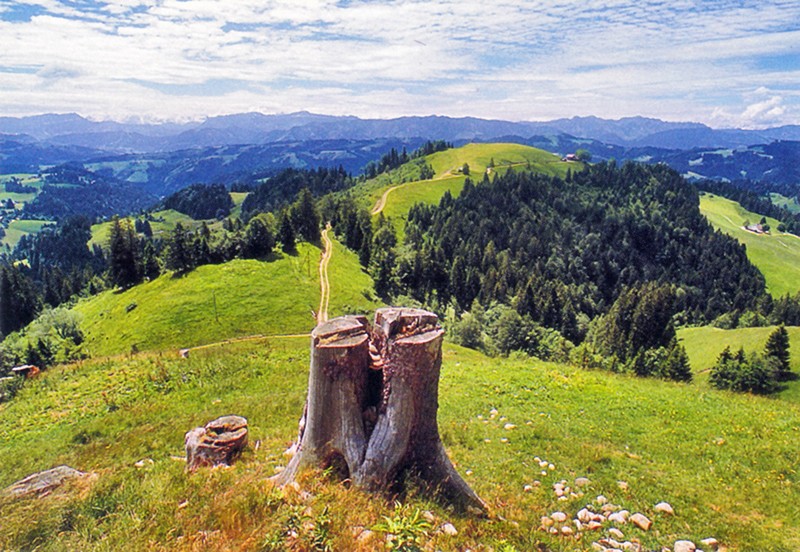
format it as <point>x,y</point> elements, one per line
<point>710,542</point>
<point>449,529</point>
<point>219,443</point>
<point>684,546</point>
<point>616,533</point>
<point>664,508</point>
<point>43,482</point>
<point>641,521</point>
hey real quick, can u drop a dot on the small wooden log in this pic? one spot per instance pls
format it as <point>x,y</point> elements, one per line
<point>219,442</point>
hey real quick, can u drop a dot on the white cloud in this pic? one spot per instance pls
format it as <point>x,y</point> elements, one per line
<point>519,60</point>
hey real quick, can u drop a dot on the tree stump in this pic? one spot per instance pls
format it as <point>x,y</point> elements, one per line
<point>219,443</point>
<point>372,402</point>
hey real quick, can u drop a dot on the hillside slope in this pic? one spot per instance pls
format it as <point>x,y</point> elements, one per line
<point>704,344</point>
<point>393,196</point>
<point>725,462</point>
<point>776,255</point>
<point>217,302</point>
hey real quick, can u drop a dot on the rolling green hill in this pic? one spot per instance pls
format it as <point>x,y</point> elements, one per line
<point>217,302</point>
<point>447,167</point>
<point>776,255</point>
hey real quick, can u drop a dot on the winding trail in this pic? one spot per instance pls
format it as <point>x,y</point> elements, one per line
<point>381,203</point>
<point>324,283</point>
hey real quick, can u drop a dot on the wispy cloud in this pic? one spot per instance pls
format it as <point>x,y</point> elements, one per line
<point>677,60</point>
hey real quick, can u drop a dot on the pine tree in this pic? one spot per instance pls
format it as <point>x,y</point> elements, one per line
<point>777,347</point>
<point>305,217</point>
<point>258,239</point>
<point>286,234</point>
<point>125,259</point>
<point>179,253</point>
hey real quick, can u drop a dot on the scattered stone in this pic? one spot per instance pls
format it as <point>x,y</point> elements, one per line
<point>527,488</point>
<point>42,483</point>
<point>558,517</point>
<point>509,426</point>
<point>623,485</point>
<point>546,522</point>
<point>618,517</point>
<point>710,542</point>
<point>616,533</point>
<point>684,546</point>
<point>554,530</point>
<point>449,529</point>
<point>631,546</point>
<point>609,508</point>
<point>428,515</point>
<point>543,463</point>
<point>610,543</point>
<point>601,500</point>
<point>584,515</point>
<point>593,525</point>
<point>493,413</point>
<point>537,483</point>
<point>582,482</point>
<point>365,536</point>
<point>578,524</point>
<point>144,462</point>
<point>567,531</point>
<point>220,442</point>
<point>551,467</point>
<point>468,472</point>
<point>641,521</point>
<point>503,440</point>
<point>664,508</point>
<point>598,547</point>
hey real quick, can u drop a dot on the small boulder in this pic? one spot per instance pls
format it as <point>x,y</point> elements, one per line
<point>584,515</point>
<point>558,517</point>
<point>449,529</point>
<point>641,521</point>
<point>43,482</point>
<point>664,508</point>
<point>567,531</point>
<point>684,546</point>
<point>218,443</point>
<point>710,543</point>
<point>593,525</point>
<point>616,533</point>
<point>619,517</point>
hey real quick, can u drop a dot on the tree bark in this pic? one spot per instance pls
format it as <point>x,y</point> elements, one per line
<point>372,404</point>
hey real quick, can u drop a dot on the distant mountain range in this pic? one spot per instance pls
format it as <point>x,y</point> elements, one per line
<point>256,128</point>
<point>165,157</point>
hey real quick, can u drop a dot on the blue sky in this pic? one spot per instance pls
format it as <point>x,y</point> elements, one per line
<point>724,63</point>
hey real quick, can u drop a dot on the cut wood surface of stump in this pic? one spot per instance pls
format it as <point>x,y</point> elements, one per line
<point>373,397</point>
<point>218,443</point>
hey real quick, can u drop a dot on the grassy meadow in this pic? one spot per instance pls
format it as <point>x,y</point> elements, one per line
<point>776,255</point>
<point>726,463</point>
<point>704,345</point>
<point>19,228</point>
<point>216,302</point>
